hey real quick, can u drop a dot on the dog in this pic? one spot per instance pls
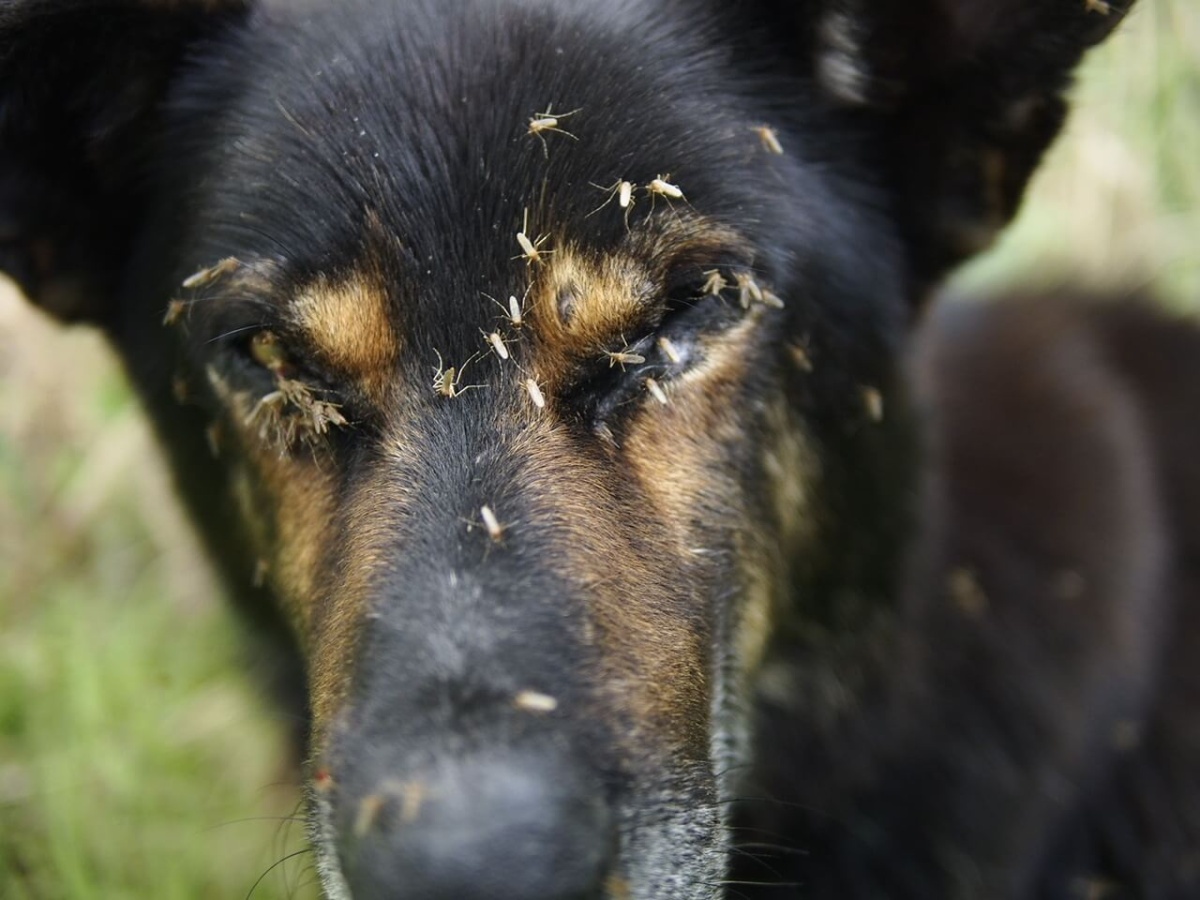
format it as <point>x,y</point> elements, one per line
<point>545,376</point>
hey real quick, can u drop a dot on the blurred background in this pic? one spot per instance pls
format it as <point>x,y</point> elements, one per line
<point>136,758</point>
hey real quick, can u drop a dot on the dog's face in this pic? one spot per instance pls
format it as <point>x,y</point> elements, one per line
<point>529,339</point>
<point>534,571</point>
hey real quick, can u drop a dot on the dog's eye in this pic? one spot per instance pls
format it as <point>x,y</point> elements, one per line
<point>266,349</point>
<point>697,306</point>
<point>294,406</point>
<point>703,302</point>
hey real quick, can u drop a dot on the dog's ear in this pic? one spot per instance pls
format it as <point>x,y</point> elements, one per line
<point>966,94</point>
<point>80,85</point>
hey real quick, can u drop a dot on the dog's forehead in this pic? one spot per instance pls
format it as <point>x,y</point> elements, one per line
<point>419,120</point>
<point>399,155</point>
<point>396,166</point>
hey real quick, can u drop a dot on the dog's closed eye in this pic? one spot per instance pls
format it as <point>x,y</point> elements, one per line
<point>267,349</point>
<point>693,314</point>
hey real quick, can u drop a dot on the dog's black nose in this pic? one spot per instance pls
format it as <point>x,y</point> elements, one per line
<point>485,829</point>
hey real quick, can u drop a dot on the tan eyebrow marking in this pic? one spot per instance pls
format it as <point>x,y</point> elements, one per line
<point>580,299</point>
<point>349,323</point>
<point>583,303</point>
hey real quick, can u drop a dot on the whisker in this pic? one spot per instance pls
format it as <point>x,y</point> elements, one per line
<point>773,848</point>
<point>272,868</point>
<point>305,878</point>
<point>735,830</point>
<point>281,819</point>
<point>234,332</point>
<point>757,859</point>
<point>283,833</point>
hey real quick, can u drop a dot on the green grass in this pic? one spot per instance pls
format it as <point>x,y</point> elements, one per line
<point>1118,198</point>
<point>136,760</point>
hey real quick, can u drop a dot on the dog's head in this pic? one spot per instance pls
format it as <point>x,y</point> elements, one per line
<point>546,351</point>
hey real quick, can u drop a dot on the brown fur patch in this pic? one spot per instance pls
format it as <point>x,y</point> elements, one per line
<point>287,501</point>
<point>654,663</point>
<point>349,323</point>
<point>677,453</point>
<point>337,619</point>
<point>677,448</point>
<point>580,303</point>
<point>337,616</point>
<point>289,504</point>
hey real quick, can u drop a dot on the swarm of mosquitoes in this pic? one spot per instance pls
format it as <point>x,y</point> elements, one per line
<point>294,411</point>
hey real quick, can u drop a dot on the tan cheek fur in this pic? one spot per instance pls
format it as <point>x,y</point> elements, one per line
<point>653,663</point>
<point>324,597</point>
<point>678,453</point>
<point>677,449</point>
<point>369,524</point>
<point>286,500</point>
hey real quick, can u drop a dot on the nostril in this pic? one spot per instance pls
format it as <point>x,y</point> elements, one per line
<point>514,829</point>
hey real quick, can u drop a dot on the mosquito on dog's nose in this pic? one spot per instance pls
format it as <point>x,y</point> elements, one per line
<point>533,827</point>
